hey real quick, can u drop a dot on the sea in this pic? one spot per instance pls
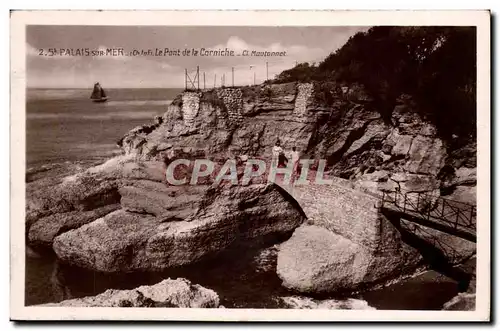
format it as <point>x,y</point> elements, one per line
<point>64,127</point>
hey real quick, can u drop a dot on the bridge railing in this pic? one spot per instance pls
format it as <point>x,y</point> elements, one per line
<point>454,213</point>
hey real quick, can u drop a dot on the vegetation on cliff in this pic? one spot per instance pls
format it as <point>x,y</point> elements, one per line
<point>436,66</point>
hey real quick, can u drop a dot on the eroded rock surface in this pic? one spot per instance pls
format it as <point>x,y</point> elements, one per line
<point>179,293</point>
<point>323,121</point>
<point>224,216</point>
<point>316,260</point>
<point>298,302</point>
<point>463,301</point>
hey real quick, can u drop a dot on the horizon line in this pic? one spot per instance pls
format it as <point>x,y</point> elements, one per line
<point>90,88</point>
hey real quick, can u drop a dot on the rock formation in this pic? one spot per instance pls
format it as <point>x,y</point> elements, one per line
<point>298,302</point>
<point>324,121</point>
<point>178,293</point>
<point>348,244</point>
<point>176,229</point>
<point>124,216</point>
<point>465,300</point>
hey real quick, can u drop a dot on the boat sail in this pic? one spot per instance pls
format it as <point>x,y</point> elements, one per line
<point>98,94</point>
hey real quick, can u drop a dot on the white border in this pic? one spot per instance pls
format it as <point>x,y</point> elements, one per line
<point>20,19</point>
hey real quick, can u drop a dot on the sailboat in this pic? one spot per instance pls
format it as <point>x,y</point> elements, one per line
<point>98,94</point>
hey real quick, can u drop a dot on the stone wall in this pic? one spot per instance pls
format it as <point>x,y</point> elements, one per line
<point>190,107</point>
<point>342,210</point>
<point>304,92</point>
<point>233,100</point>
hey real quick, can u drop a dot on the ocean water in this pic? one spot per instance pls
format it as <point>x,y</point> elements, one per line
<point>64,125</point>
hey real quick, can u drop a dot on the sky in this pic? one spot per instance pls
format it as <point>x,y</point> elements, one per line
<point>50,64</point>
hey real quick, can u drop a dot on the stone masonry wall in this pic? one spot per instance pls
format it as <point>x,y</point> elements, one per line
<point>342,210</point>
<point>233,100</point>
<point>304,92</point>
<point>190,107</point>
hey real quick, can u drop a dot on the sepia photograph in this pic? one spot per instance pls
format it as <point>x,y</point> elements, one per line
<point>239,165</point>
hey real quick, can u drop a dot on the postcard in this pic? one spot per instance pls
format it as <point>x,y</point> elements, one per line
<point>250,165</point>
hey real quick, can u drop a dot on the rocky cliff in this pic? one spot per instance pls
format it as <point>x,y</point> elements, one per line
<point>323,121</point>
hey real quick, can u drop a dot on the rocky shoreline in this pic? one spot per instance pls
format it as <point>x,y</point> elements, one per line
<point>122,216</point>
<point>170,293</point>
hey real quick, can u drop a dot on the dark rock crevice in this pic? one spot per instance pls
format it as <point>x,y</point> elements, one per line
<point>351,138</point>
<point>434,256</point>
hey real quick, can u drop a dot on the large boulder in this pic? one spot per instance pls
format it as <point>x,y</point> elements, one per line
<point>67,204</point>
<point>426,155</point>
<point>224,216</point>
<point>74,193</point>
<point>179,293</point>
<point>45,229</point>
<point>316,260</point>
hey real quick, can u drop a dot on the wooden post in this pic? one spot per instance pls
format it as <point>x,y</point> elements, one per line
<point>198,76</point>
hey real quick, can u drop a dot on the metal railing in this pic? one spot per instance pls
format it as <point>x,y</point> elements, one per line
<point>453,213</point>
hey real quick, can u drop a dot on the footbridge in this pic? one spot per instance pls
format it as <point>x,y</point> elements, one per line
<point>453,217</point>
